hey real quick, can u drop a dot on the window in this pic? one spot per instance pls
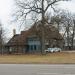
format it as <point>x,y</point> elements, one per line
<point>35,47</point>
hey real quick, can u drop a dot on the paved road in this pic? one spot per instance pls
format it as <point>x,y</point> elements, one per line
<point>32,69</point>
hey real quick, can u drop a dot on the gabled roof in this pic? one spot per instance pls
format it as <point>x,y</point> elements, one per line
<point>50,33</point>
<point>13,40</point>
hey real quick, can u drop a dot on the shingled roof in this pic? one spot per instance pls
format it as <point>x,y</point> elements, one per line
<point>50,33</point>
<point>13,40</point>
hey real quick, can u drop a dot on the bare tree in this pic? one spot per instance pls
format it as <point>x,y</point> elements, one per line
<point>36,6</point>
<point>72,43</point>
<point>73,33</point>
<point>1,38</point>
<point>67,24</point>
<point>57,21</point>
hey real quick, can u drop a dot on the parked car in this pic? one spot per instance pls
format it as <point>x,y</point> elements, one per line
<point>53,50</point>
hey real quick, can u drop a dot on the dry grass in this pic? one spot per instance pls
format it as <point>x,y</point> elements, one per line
<point>52,58</point>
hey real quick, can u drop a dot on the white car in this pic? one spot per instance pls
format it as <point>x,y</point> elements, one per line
<point>53,50</point>
<point>57,49</point>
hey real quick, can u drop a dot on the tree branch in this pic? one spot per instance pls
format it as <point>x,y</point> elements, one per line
<point>50,4</point>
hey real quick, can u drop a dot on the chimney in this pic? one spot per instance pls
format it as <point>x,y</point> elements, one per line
<point>14,32</point>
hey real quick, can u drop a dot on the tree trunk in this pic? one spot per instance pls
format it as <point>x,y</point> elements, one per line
<point>43,22</point>
<point>68,36</point>
<point>73,35</point>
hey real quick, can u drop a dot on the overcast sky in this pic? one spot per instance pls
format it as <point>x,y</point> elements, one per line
<point>7,7</point>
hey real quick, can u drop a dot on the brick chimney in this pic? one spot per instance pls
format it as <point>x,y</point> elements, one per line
<point>14,32</point>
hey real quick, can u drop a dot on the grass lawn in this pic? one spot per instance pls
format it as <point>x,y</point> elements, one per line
<point>51,58</point>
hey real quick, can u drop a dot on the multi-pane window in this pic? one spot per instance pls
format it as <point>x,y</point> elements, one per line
<point>34,44</point>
